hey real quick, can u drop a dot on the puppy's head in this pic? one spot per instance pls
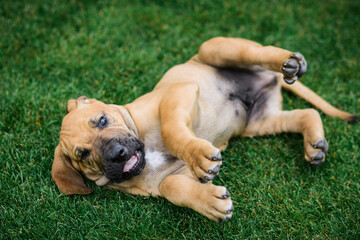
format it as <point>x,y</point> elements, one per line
<point>99,141</point>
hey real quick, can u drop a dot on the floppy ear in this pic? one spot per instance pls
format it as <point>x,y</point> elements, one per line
<point>72,104</point>
<point>68,180</point>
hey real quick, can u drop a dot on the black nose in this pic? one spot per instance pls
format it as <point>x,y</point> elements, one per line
<point>118,153</point>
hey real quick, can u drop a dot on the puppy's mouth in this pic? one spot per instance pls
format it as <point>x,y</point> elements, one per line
<point>133,163</point>
<point>119,172</point>
<point>123,159</point>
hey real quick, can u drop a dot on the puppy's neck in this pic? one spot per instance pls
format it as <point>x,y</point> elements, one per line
<point>145,114</point>
<point>129,122</point>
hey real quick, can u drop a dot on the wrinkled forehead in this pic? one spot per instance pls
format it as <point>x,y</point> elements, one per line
<point>80,118</point>
<point>90,113</point>
<point>80,126</point>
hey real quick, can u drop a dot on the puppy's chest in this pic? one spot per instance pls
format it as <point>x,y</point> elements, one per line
<point>158,166</point>
<point>155,159</point>
<point>158,158</point>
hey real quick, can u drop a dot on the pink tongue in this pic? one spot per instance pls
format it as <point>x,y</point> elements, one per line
<point>130,164</point>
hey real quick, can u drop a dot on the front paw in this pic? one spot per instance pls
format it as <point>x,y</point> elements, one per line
<point>215,203</point>
<point>294,68</point>
<point>315,153</point>
<point>203,159</point>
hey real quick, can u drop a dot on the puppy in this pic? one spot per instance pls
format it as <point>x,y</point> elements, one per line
<point>168,142</point>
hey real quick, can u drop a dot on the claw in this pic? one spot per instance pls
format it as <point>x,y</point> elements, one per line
<point>207,178</point>
<point>217,157</point>
<point>226,195</point>
<point>231,209</point>
<point>215,170</point>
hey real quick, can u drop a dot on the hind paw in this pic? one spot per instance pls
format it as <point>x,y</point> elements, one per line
<point>315,153</point>
<point>294,68</point>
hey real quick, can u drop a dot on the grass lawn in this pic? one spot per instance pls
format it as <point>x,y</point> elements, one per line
<point>116,51</point>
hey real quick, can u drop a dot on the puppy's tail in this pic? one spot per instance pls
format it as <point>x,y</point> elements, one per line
<point>308,95</point>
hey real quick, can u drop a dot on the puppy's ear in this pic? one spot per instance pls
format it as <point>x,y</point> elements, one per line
<point>68,180</point>
<point>72,104</point>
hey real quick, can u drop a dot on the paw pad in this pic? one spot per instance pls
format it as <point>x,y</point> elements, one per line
<point>323,145</point>
<point>294,68</point>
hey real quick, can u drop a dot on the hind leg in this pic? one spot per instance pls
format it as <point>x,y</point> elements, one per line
<point>237,52</point>
<point>304,121</point>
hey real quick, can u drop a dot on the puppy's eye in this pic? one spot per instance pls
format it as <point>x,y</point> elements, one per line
<point>85,153</point>
<point>103,122</point>
<point>82,153</point>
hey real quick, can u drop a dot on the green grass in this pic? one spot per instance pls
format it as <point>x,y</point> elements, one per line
<point>116,51</point>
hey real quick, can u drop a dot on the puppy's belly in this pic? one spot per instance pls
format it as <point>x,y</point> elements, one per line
<point>219,118</point>
<point>229,99</point>
<point>218,124</point>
